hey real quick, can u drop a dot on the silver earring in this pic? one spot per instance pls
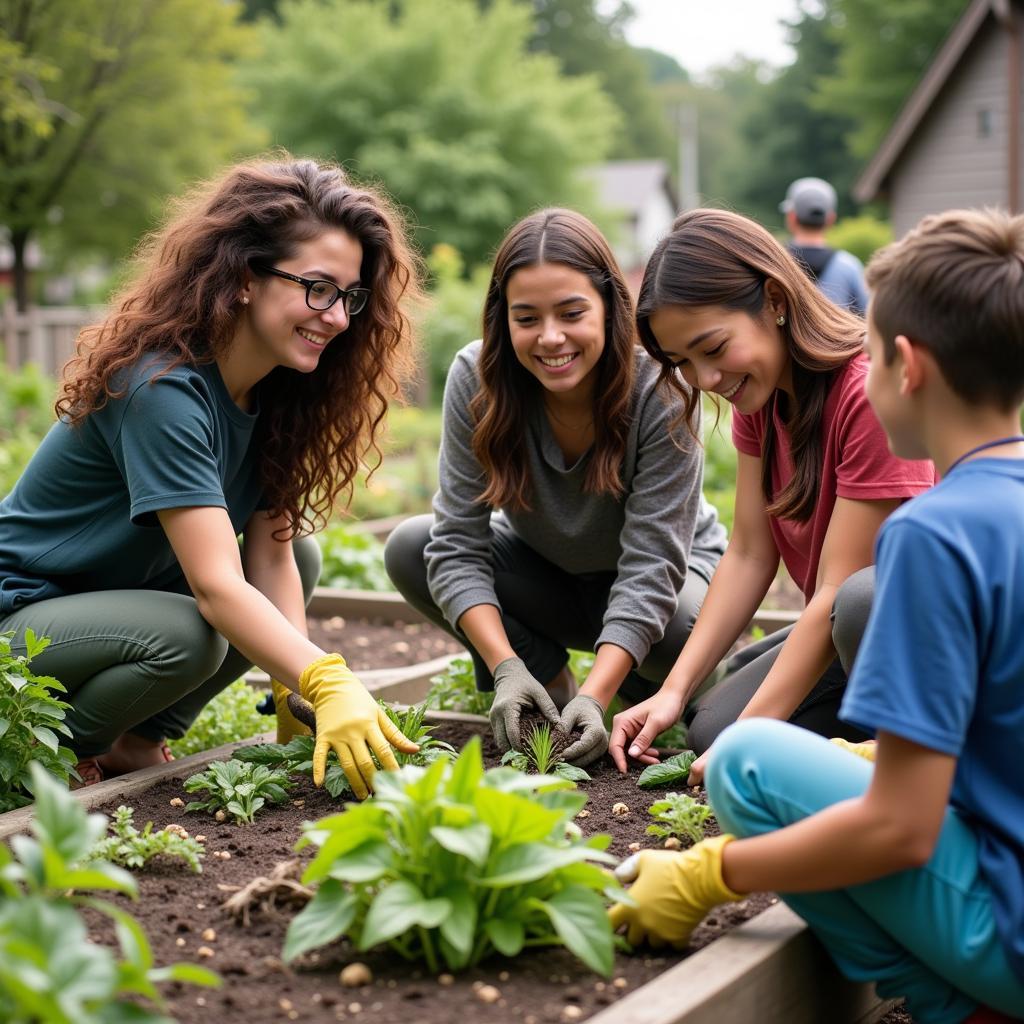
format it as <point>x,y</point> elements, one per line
<point>780,319</point>
<point>245,300</point>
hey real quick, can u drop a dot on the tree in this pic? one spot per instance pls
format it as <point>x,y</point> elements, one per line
<point>441,102</point>
<point>107,107</point>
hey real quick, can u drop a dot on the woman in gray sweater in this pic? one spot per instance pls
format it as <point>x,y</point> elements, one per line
<point>569,512</point>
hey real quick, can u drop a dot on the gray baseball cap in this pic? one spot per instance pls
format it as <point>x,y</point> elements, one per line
<point>811,199</point>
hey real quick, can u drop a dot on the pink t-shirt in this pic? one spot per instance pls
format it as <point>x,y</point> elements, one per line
<point>857,465</point>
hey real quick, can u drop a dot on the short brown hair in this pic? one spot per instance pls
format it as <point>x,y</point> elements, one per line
<point>955,286</point>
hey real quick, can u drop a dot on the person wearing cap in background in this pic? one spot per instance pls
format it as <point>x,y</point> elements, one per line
<point>810,209</point>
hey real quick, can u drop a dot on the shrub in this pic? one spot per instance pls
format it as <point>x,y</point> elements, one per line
<point>231,716</point>
<point>860,235</point>
<point>454,689</point>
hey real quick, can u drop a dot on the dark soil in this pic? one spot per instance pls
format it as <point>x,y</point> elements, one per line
<point>376,643</point>
<point>175,908</point>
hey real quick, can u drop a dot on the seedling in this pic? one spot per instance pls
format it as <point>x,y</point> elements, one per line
<point>449,864</point>
<point>542,752</point>
<point>679,815</point>
<point>31,717</point>
<point>454,689</point>
<point>411,724</point>
<point>133,849</point>
<point>238,788</point>
<point>49,969</point>
<point>665,773</point>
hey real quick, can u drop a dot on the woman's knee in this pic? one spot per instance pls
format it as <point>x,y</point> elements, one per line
<point>309,560</point>
<point>850,612</point>
<point>403,554</point>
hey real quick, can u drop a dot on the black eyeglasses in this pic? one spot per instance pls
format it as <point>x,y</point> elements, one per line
<point>321,295</point>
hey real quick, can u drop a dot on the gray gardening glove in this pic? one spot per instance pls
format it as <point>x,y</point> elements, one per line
<point>585,713</point>
<point>516,692</point>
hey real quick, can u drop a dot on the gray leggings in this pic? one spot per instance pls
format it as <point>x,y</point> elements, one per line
<point>143,661</point>
<point>747,669</point>
<point>543,608</point>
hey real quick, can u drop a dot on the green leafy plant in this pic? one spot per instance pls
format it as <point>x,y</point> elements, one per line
<point>296,758</point>
<point>672,769</point>
<point>239,788</point>
<point>133,849</point>
<point>352,559</point>
<point>31,718</point>
<point>454,689</point>
<point>411,723</point>
<point>542,752</point>
<point>49,970</point>
<point>231,716</point>
<point>449,864</point>
<point>679,814</point>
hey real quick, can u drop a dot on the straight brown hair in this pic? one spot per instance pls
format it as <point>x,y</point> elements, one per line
<point>719,258</point>
<point>499,407</point>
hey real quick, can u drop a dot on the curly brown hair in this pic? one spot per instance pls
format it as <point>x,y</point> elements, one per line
<point>719,258</point>
<point>500,406</point>
<point>315,429</point>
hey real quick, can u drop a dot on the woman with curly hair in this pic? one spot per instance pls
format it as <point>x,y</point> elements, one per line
<point>569,513</point>
<point>725,307</point>
<point>231,393</point>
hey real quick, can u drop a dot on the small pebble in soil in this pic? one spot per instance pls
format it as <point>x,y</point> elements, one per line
<point>355,975</point>
<point>179,942</point>
<point>488,994</point>
<point>394,984</point>
<point>443,979</point>
<point>316,998</point>
<point>200,906</point>
<point>400,647</point>
<point>204,951</point>
<point>176,830</point>
<point>571,1013</point>
<point>209,935</point>
<point>298,803</point>
<point>503,976</point>
<point>200,1001</point>
<point>200,839</point>
<point>583,814</point>
<point>220,816</point>
<point>355,1007</point>
<point>176,801</point>
<point>619,809</point>
<point>633,847</point>
<point>599,986</point>
<point>672,843</point>
<point>620,983</point>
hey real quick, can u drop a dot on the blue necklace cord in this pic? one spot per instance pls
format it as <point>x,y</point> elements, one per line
<point>1013,439</point>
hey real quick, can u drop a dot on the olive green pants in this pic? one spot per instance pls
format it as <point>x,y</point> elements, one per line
<point>143,661</point>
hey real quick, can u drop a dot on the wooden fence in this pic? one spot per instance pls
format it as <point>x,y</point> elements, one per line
<point>44,335</point>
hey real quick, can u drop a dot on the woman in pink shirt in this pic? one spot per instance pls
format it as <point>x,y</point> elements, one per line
<point>727,307</point>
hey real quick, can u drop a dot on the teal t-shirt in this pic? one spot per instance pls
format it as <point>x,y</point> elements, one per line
<point>82,517</point>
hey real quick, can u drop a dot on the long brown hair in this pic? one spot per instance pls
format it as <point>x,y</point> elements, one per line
<point>315,428</point>
<point>718,258</point>
<point>499,407</point>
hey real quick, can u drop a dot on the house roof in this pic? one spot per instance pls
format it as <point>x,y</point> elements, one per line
<point>924,95</point>
<point>626,184</point>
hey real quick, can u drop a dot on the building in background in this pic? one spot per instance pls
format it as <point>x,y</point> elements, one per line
<point>957,141</point>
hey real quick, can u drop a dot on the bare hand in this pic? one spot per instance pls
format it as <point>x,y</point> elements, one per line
<point>639,725</point>
<point>697,769</point>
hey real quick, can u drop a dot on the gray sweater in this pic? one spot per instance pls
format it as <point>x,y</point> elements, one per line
<point>649,537</point>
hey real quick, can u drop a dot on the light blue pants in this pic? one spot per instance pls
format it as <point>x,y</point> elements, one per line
<point>926,934</point>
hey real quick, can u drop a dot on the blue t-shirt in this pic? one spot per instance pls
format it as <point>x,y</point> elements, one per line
<point>82,517</point>
<point>942,660</point>
<point>843,282</point>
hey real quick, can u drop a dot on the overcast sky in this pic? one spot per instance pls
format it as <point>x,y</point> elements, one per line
<point>703,33</point>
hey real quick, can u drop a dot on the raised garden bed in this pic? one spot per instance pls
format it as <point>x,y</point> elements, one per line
<point>768,969</point>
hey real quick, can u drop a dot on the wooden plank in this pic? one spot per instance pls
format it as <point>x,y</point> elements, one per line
<point>362,604</point>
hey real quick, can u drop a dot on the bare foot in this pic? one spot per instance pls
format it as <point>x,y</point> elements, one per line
<point>130,752</point>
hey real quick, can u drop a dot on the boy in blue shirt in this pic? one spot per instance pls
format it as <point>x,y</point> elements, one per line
<point>911,870</point>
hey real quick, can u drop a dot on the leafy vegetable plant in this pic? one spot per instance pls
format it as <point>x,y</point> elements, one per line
<point>238,788</point>
<point>449,864</point>
<point>454,689</point>
<point>543,753</point>
<point>352,559</point>
<point>133,849</point>
<point>30,719</point>
<point>672,769</point>
<point>231,716</point>
<point>679,815</point>
<point>49,970</point>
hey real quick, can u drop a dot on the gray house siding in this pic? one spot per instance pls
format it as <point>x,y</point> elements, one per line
<point>957,156</point>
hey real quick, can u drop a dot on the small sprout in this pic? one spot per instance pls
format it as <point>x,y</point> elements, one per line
<point>620,809</point>
<point>239,788</point>
<point>488,994</point>
<point>679,815</point>
<point>355,975</point>
<point>130,848</point>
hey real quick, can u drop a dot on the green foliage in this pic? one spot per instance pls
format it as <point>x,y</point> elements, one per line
<point>352,559</point>
<point>231,716</point>
<point>674,737</point>
<point>679,814</point>
<point>454,689</point>
<point>580,664</point>
<point>410,722</point>
<point>49,969</point>
<point>543,754</point>
<point>26,413</point>
<point>89,77</point>
<point>30,719</point>
<point>860,235</point>
<point>411,428</point>
<point>441,101</point>
<point>449,864</point>
<point>296,758</point>
<point>131,848</point>
<point>672,769</point>
<point>719,462</point>
<point>238,788</point>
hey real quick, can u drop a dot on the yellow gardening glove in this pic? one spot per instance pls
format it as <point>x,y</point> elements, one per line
<point>287,724</point>
<point>865,749</point>
<point>672,891</point>
<point>351,722</point>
